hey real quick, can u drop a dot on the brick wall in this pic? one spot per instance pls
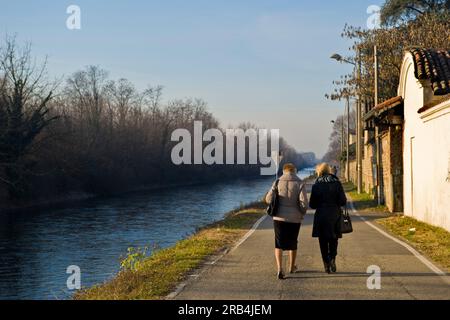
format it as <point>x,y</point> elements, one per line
<point>396,169</point>
<point>391,168</point>
<point>353,173</point>
<point>386,170</point>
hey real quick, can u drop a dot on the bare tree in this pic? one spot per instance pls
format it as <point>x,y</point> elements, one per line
<point>25,94</point>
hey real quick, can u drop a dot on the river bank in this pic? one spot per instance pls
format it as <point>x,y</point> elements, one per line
<point>155,276</point>
<point>74,198</point>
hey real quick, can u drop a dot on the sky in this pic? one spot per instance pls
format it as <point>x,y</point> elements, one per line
<point>263,61</point>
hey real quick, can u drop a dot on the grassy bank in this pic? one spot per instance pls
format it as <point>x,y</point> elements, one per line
<point>432,241</point>
<point>362,201</point>
<point>154,277</point>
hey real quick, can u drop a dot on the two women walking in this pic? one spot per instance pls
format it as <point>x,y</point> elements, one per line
<point>327,197</point>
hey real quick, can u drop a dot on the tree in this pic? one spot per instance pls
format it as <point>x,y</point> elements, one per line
<point>335,153</point>
<point>430,30</point>
<point>398,11</point>
<point>24,113</point>
<point>424,24</point>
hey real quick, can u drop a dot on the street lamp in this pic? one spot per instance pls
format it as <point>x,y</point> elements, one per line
<point>341,59</point>
<point>342,143</point>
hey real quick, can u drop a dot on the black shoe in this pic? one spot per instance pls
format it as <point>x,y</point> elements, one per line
<point>326,266</point>
<point>280,275</point>
<point>333,265</point>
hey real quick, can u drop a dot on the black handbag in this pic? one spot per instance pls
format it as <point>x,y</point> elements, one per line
<point>346,222</point>
<point>273,205</point>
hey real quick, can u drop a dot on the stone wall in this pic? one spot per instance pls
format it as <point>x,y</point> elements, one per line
<point>391,168</point>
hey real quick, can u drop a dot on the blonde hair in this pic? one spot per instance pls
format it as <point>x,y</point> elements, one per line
<point>289,167</point>
<point>323,169</point>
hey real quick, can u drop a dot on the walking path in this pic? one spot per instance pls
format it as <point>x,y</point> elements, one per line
<point>248,271</point>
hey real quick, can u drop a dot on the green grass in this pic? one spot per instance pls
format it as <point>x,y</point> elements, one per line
<point>156,276</point>
<point>432,241</point>
<point>362,201</point>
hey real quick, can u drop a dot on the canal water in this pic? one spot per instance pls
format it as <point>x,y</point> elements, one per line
<point>37,247</point>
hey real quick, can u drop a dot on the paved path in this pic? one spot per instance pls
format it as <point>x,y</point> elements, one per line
<point>248,272</point>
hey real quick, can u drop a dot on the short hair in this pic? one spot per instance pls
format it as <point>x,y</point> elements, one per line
<point>290,167</point>
<point>323,169</point>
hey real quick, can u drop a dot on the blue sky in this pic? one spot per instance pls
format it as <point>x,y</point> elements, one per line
<point>264,61</point>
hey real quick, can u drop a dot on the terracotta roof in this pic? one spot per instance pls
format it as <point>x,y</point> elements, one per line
<point>434,103</point>
<point>392,102</point>
<point>383,107</point>
<point>433,65</point>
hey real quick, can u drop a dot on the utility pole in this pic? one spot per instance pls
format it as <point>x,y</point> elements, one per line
<point>377,134</point>
<point>341,162</point>
<point>359,146</point>
<point>342,142</point>
<point>348,140</point>
<point>375,52</point>
<point>357,69</point>
<point>342,147</point>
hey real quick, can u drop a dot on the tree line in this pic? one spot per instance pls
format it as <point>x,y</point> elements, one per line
<point>90,134</point>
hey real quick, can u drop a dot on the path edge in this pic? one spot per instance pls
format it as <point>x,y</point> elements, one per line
<point>180,287</point>
<point>427,262</point>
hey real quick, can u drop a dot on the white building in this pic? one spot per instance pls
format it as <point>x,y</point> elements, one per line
<point>425,89</point>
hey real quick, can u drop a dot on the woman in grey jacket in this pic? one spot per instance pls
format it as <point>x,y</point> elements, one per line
<point>292,207</point>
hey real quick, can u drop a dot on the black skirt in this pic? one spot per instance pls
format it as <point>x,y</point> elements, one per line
<point>286,235</point>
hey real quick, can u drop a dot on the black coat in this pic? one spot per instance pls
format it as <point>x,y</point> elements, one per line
<point>327,197</point>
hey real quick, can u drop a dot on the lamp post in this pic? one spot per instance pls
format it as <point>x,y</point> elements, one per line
<point>359,127</point>
<point>342,144</point>
<point>277,157</point>
<point>359,147</point>
<point>347,169</point>
<point>379,180</point>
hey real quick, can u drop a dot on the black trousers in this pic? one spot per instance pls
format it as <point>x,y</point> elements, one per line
<point>328,248</point>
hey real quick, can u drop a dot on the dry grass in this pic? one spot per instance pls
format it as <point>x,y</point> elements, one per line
<point>363,202</point>
<point>157,275</point>
<point>433,242</point>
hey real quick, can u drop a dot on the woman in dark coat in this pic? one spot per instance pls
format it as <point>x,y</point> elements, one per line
<point>327,197</point>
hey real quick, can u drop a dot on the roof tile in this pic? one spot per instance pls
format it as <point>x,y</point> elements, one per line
<point>433,65</point>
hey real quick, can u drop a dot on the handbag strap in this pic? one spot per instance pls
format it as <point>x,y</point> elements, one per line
<point>346,211</point>
<point>276,183</point>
